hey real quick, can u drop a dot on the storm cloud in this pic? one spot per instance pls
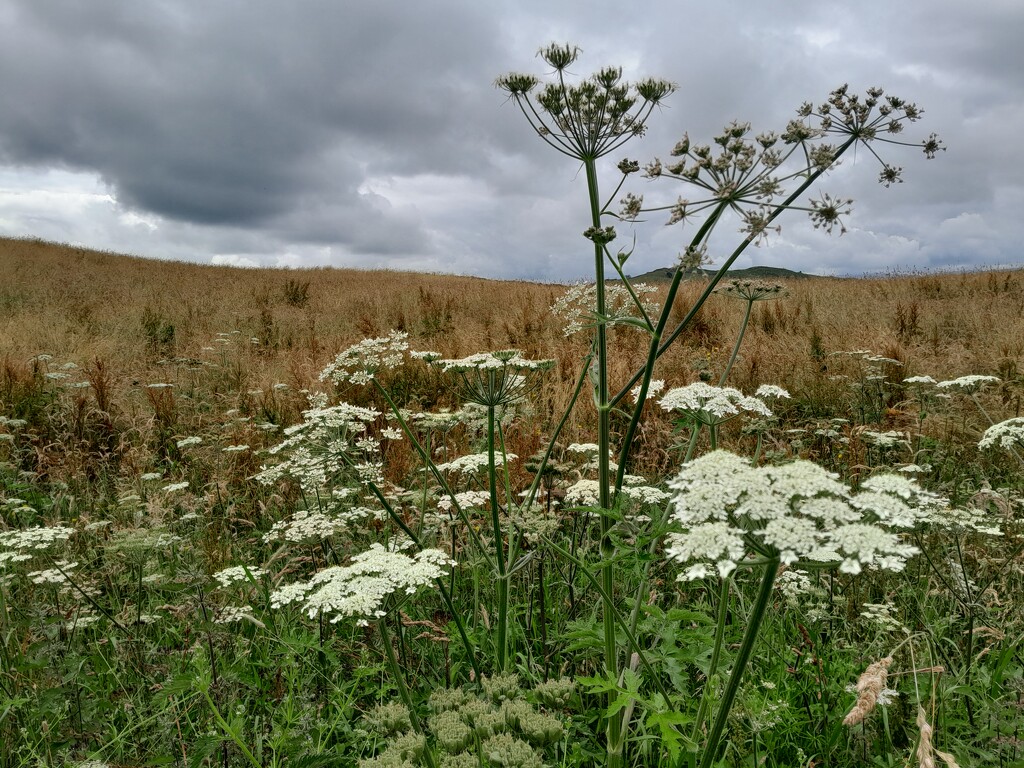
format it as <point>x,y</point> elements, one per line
<point>370,134</point>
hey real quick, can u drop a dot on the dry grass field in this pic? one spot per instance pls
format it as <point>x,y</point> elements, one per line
<point>141,401</point>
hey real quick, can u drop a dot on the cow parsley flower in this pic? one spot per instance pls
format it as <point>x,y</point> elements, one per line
<point>238,574</point>
<point>493,379</point>
<point>968,384</point>
<point>1006,434</point>
<point>798,512</point>
<point>362,588</point>
<point>710,405</point>
<point>360,363</point>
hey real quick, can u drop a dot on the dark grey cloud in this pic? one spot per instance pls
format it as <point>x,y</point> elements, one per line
<point>370,134</point>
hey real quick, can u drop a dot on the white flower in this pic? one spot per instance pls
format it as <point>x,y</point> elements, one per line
<point>173,487</point>
<point>1006,434</point>
<point>770,390</point>
<point>576,305</point>
<point>236,448</point>
<point>583,493</point>
<point>586,449</point>
<point>920,380</point>
<point>361,588</point>
<point>473,462</point>
<point>187,442</point>
<point>968,384</point>
<point>238,574</point>
<point>360,363</point>
<point>465,500</point>
<point>149,476</point>
<point>707,404</point>
<point>57,575</point>
<point>654,389</point>
<point>797,512</point>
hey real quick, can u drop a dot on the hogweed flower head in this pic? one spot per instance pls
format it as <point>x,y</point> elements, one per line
<point>588,119</point>
<point>797,512</point>
<point>969,384</point>
<point>493,379</point>
<point>575,306</point>
<point>1006,434</point>
<point>361,362</point>
<point>362,588</point>
<point>710,405</point>
<point>752,290</point>
<point>750,173</point>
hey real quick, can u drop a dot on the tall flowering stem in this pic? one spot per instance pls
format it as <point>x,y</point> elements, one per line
<point>587,121</point>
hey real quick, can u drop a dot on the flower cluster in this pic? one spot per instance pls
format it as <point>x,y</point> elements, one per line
<point>796,512</point>
<point>323,445</point>
<point>590,119</point>
<point>18,546</point>
<point>360,363</point>
<point>706,404</point>
<point>362,588</point>
<point>576,305</point>
<point>493,379</point>
<point>749,173</point>
<point>752,290</point>
<point>1006,434</point>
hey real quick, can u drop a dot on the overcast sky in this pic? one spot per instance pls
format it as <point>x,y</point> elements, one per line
<point>327,132</point>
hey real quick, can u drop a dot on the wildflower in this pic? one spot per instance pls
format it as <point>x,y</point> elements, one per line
<point>150,476</point>
<point>797,512</point>
<point>188,442</point>
<point>236,448</point>
<point>360,363</point>
<point>919,380</point>
<point>752,290</point>
<point>654,389</point>
<point>238,574</point>
<point>493,379</point>
<point>57,575</point>
<point>233,613</point>
<point>968,384</point>
<point>362,588</point>
<point>174,487</point>
<point>1006,434</point>
<point>592,118</point>
<point>706,404</point>
<point>473,462</point>
<point>575,306</point>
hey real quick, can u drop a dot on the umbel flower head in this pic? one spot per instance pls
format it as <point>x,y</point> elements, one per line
<point>361,362</point>
<point>706,404</point>
<point>588,119</point>
<point>362,588</point>
<point>729,510</point>
<point>750,174</point>
<point>1006,434</point>
<point>493,379</point>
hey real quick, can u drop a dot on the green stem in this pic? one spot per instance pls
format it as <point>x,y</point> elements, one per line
<point>739,340</point>
<point>614,725</point>
<point>811,178</point>
<point>716,655</point>
<point>760,608</point>
<point>403,690</point>
<point>499,548</point>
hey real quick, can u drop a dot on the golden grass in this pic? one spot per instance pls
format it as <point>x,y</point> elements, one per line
<point>86,306</point>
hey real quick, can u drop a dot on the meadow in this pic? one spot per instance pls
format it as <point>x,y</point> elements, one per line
<point>286,518</point>
<point>140,400</point>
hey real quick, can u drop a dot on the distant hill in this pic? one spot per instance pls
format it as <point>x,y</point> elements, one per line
<point>750,273</point>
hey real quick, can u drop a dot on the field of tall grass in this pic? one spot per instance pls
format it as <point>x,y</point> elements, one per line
<point>146,553</point>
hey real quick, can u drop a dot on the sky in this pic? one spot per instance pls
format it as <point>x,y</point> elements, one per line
<point>370,134</point>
